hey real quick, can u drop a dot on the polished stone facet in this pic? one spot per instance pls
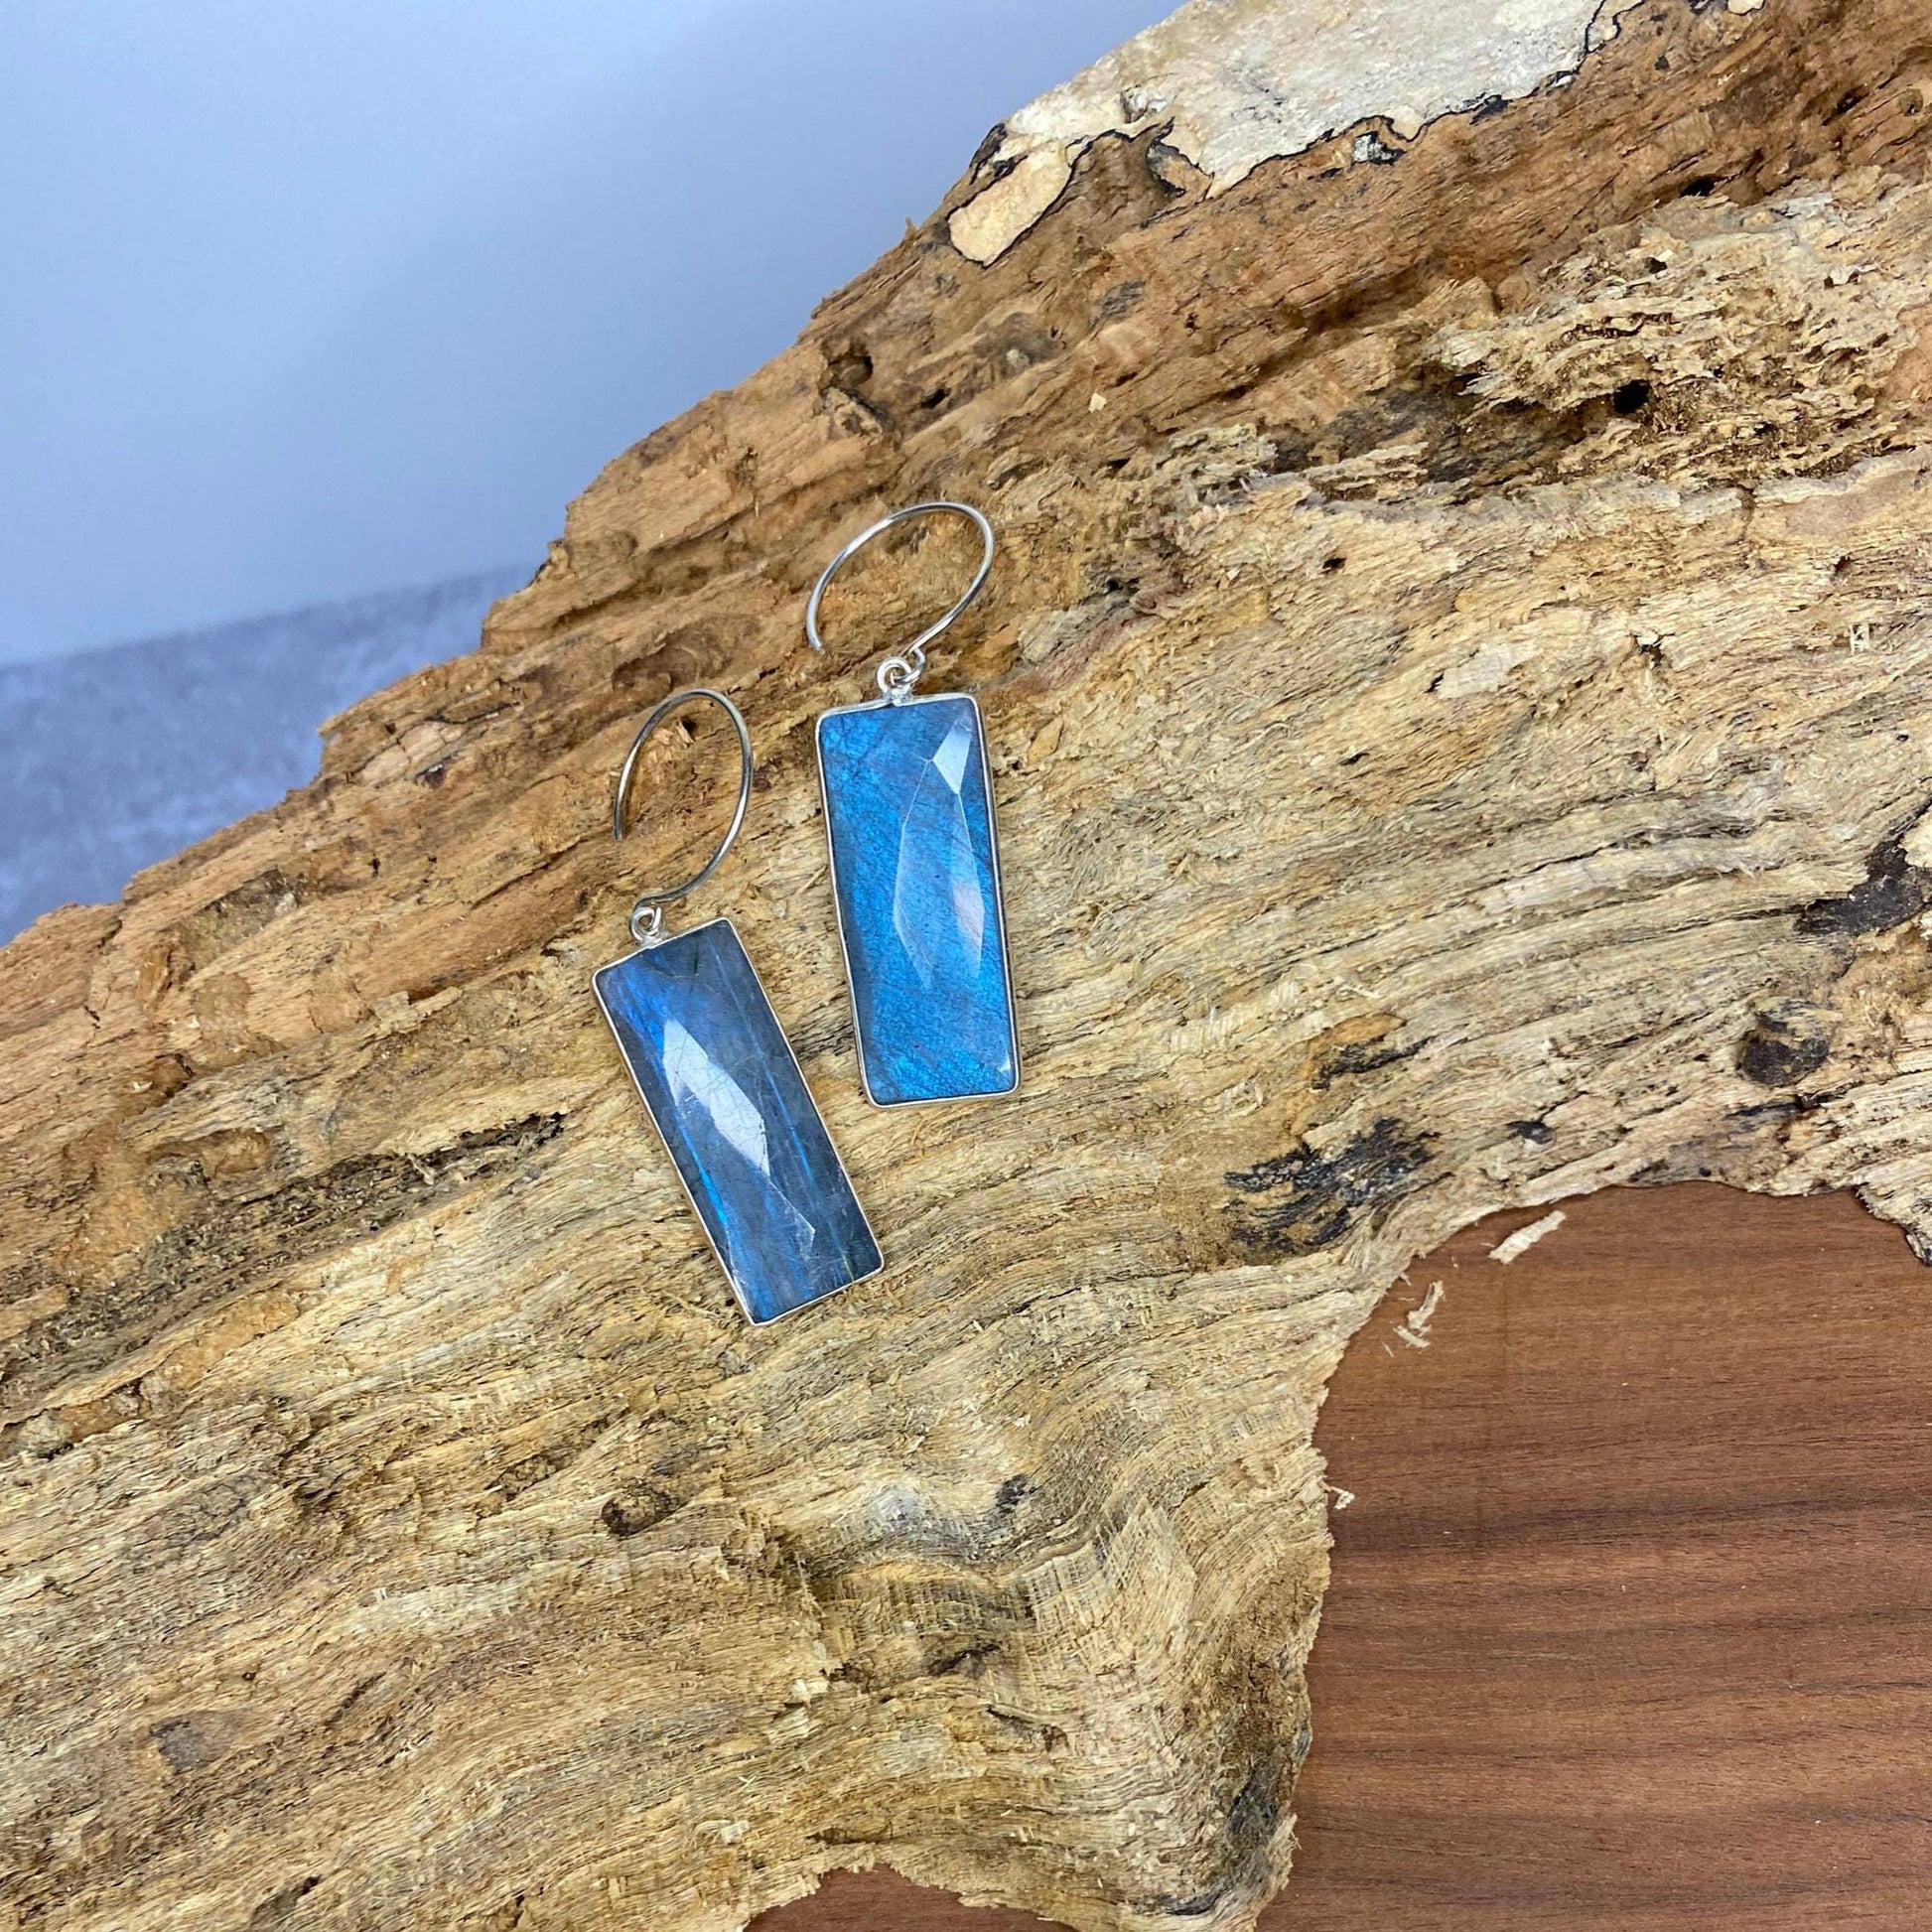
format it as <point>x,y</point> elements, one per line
<point>916,873</point>
<point>725,1091</point>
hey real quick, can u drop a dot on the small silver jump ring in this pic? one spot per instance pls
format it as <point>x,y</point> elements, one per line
<point>646,916</point>
<point>899,673</point>
<point>911,656</point>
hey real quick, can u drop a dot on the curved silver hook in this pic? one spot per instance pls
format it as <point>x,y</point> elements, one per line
<point>899,672</point>
<point>646,916</point>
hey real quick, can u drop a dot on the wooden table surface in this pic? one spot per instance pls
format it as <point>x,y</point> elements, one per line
<point>1631,1620</point>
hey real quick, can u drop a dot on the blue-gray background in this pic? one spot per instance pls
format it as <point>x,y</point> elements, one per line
<point>328,309</point>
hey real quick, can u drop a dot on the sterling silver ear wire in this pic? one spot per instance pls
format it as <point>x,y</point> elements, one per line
<point>647,915</point>
<point>900,672</point>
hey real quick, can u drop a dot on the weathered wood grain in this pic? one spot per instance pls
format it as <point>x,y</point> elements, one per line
<point>1628,1629</point>
<point>1458,685</point>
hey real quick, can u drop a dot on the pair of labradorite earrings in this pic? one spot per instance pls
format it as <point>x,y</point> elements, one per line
<point>915,878</point>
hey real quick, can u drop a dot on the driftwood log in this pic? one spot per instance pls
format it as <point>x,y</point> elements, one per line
<point>1458,677</point>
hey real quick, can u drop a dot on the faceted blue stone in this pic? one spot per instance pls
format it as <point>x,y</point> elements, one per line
<point>917,875</point>
<point>725,1091</point>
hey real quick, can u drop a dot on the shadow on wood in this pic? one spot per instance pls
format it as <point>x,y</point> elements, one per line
<point>1629,1622</point>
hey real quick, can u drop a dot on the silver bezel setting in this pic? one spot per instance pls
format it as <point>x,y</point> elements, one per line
<point>902,703</point>
<point>723,1267</point>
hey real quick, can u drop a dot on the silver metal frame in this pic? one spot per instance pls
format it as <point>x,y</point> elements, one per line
<point>901,702</point>
<point>697,1213</point>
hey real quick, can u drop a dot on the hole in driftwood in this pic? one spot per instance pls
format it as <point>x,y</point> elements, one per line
<point>1637,1561</point>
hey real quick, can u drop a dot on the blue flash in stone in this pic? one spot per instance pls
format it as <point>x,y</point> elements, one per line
<point>723,1090</point>
<point>916,871</point>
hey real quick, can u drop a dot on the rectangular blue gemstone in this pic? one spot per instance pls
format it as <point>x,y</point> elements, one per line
<point>916,873</point>
<point>725,1091</point>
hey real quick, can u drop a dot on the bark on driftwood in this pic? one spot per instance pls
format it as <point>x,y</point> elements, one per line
<point>1458,675</point>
